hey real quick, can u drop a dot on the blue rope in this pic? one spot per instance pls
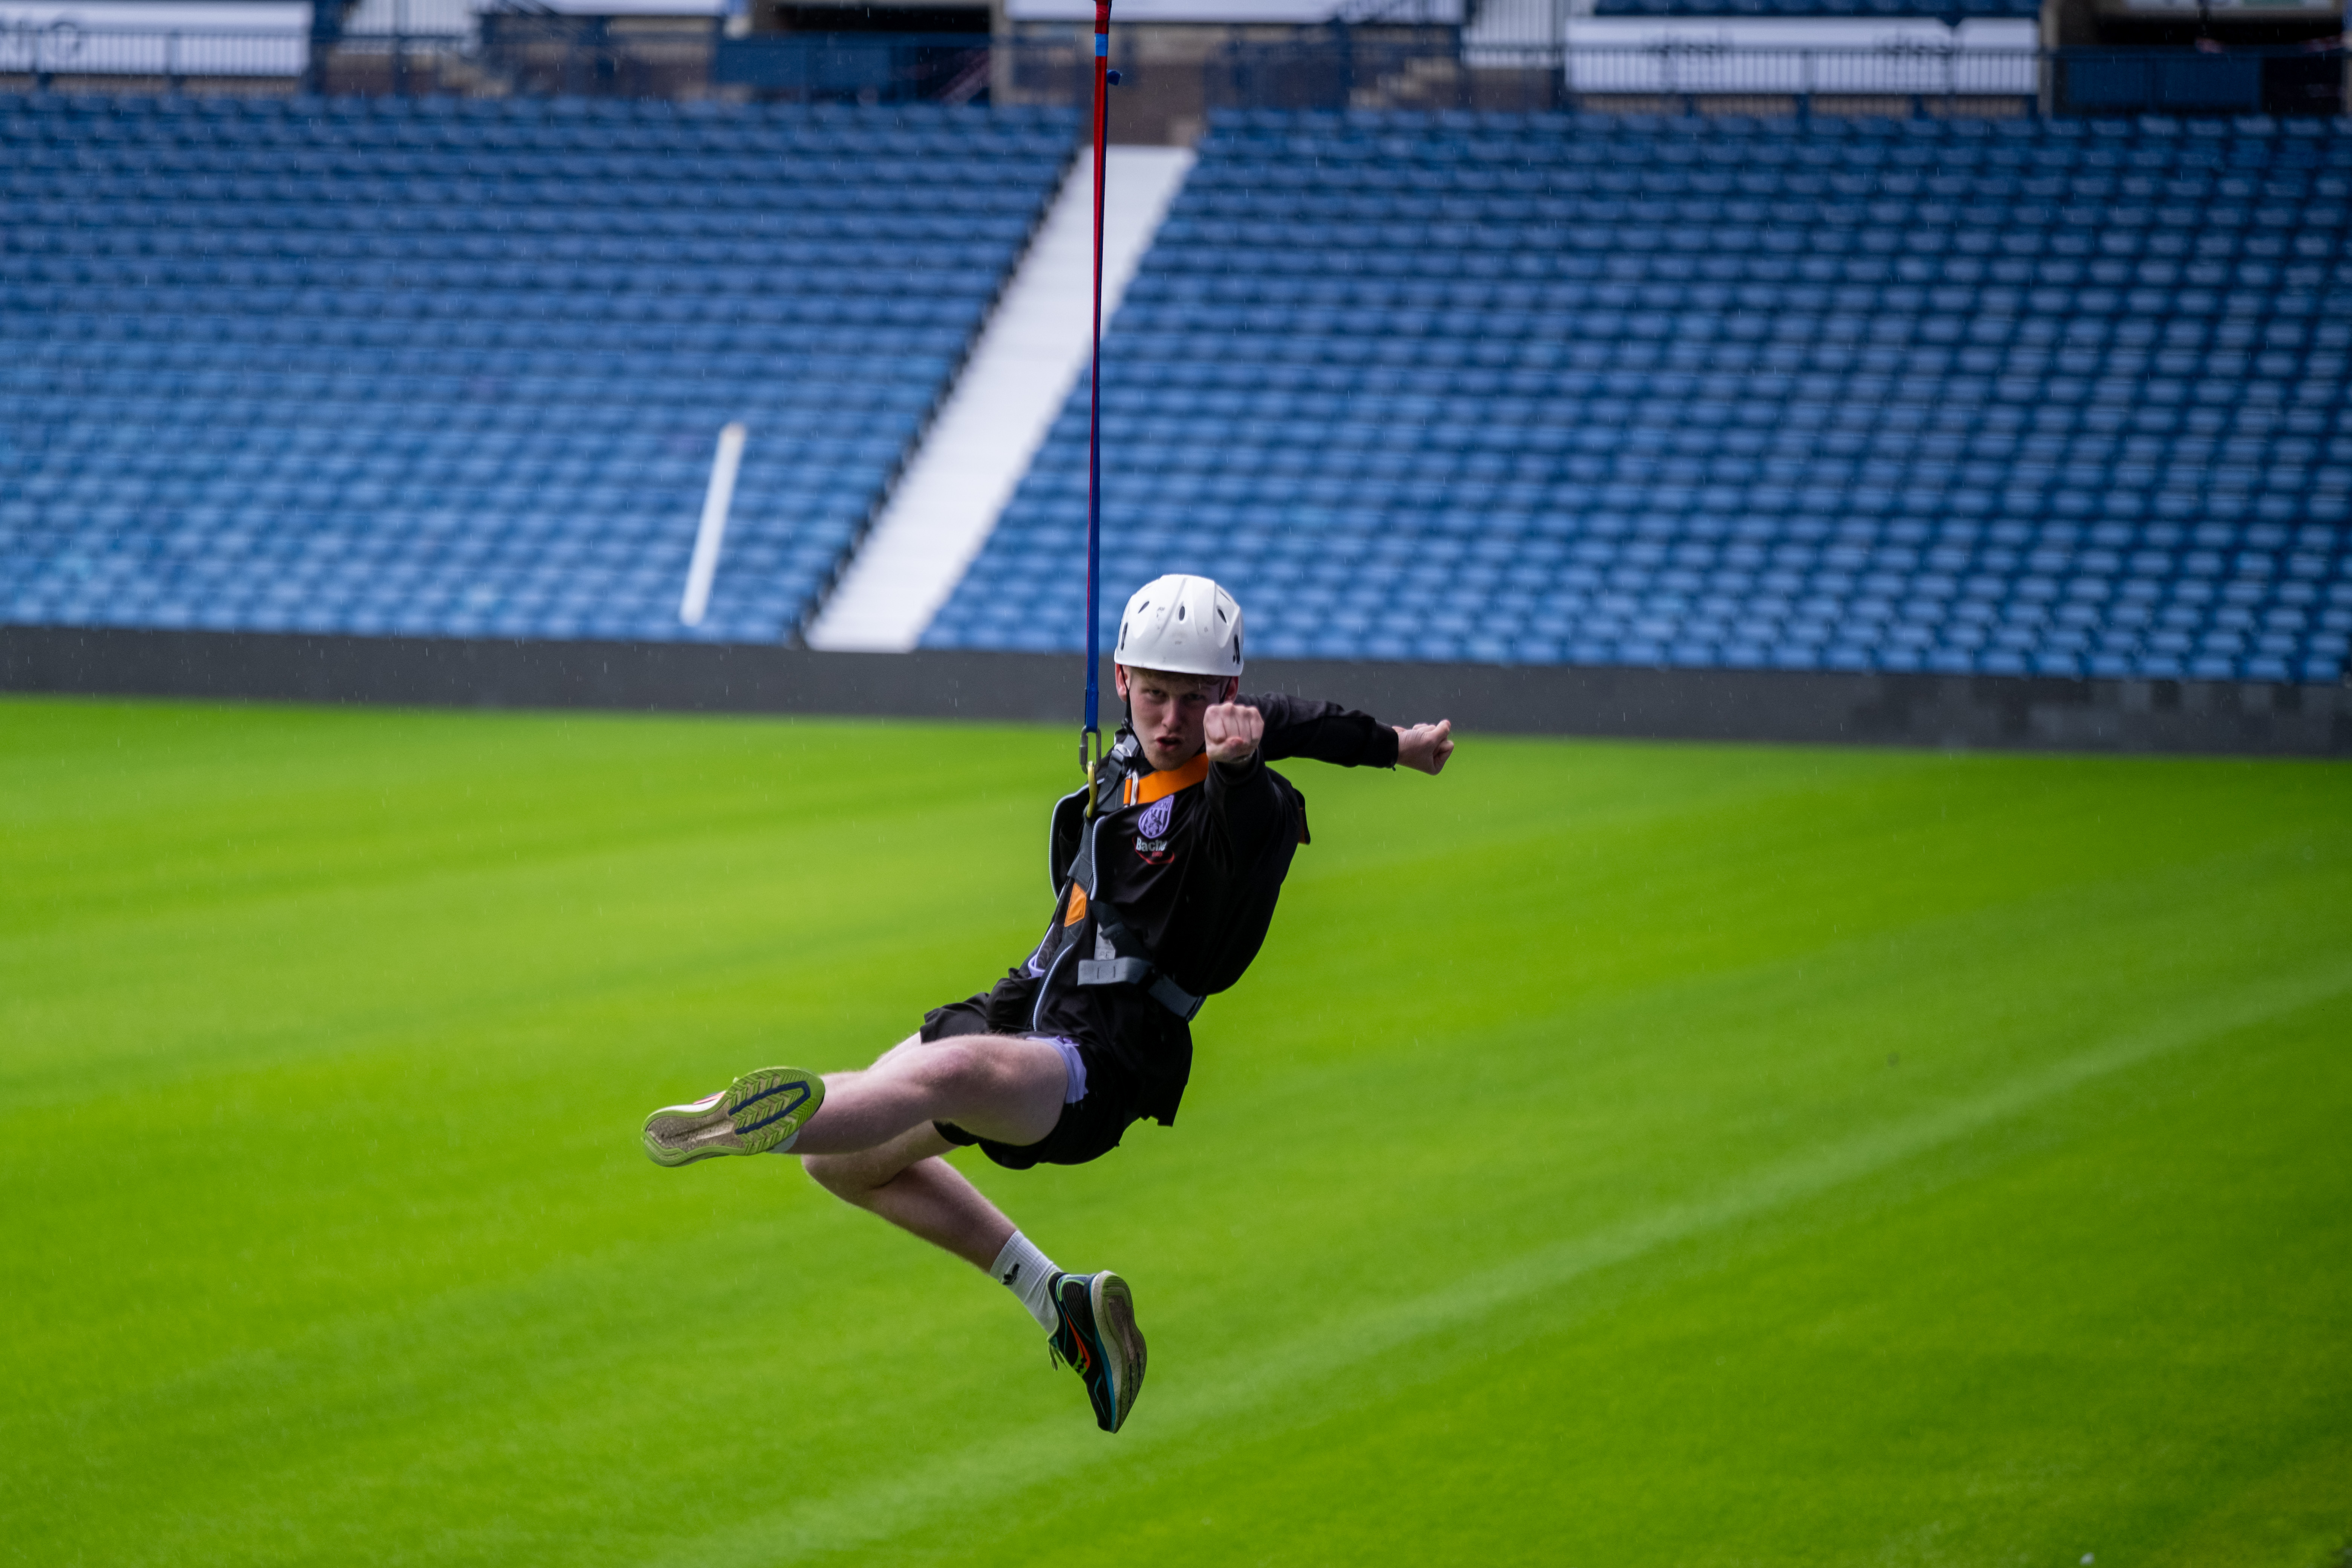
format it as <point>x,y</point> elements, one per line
<point>1094,404</point>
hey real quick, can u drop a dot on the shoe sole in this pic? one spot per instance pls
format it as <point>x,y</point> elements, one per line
<point>751,1116</point>
<point>1114,1306</point>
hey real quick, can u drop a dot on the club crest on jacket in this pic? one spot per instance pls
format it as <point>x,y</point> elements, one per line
<point>1152,830</point>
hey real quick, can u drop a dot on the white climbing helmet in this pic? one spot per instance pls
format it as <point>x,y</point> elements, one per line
<point>1185,626</point>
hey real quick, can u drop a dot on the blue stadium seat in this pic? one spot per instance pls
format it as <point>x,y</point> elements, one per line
<point>1943,423</point>
<point>189,276</point>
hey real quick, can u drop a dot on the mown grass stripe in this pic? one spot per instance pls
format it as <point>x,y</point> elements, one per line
<point>1176,1411</point>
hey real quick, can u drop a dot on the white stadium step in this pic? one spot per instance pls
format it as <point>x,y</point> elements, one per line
<point>1030,355</point>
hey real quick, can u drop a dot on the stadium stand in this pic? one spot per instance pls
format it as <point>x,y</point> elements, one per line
<point>458,367</point>
<point>2011,397</point>
<point>1865,10</point>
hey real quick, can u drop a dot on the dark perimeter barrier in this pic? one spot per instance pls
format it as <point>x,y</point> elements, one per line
<point>1956,712</point>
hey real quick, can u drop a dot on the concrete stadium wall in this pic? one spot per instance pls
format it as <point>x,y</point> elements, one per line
<point>1934,711</point>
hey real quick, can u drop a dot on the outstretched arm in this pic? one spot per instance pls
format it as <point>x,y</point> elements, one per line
<point>1327,732</point>
<point>1322,733</point>
<point>1426,746</point>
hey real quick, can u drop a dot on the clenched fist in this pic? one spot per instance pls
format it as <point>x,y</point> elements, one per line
<point>1233,730</point>
<point>1426,746</point>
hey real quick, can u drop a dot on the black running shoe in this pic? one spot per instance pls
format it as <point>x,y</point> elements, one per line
<point>1098,1337</point>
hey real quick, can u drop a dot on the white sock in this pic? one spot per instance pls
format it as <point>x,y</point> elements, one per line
<point>1026,1272</point>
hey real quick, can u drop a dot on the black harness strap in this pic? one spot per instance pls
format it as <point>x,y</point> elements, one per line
<point>1132,964</point>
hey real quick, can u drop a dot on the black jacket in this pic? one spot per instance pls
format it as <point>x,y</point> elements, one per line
<point>1193,861</point>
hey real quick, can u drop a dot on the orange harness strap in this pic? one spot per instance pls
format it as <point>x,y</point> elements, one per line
<point>1143,789</point>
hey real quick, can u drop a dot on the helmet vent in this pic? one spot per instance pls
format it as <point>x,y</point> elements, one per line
<point>1160,629</point>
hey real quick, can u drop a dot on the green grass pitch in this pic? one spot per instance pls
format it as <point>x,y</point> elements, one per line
<point>1621,1154</point>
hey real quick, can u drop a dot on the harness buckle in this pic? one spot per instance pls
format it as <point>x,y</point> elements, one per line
<point>1090,757</point>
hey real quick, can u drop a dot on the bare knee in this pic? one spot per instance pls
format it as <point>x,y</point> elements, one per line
<point>856,1176</point>
<point>853,1178</point>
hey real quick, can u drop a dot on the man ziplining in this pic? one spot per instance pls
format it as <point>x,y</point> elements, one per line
<point>1164,893</point>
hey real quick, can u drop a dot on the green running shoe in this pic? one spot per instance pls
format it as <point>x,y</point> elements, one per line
<point>1098,1336</point>
<point>760,1112</point>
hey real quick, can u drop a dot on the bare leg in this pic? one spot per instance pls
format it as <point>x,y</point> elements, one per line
<point>880,1151</point>
<point>908,1184</point>
<point>872,1143</point>
<point>998,1086</point>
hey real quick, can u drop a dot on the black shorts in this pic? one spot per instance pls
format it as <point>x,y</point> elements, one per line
<point>1086,1131</point>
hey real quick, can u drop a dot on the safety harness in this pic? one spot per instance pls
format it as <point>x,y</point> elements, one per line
<point>1119,957</point>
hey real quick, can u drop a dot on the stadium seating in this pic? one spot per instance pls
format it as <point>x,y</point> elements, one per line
<point>458,367</point>
<point>2012,397</point>
<point>1869,10</point>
